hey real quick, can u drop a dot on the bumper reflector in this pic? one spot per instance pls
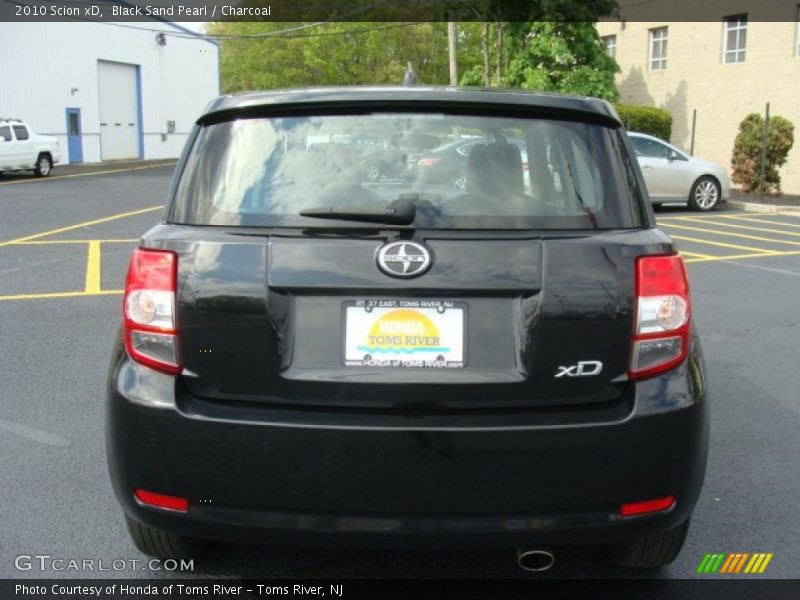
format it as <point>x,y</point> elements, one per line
<point>633,509</point>
<point>161,501</point>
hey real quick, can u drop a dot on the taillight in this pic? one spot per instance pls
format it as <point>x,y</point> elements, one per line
<point>633,509</point>
<point>175,503</point>
<point>151,335</point>
<point>428,161</point>
<point>663,314</point>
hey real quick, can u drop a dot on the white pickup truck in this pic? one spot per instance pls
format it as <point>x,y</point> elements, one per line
<point>21,149</point>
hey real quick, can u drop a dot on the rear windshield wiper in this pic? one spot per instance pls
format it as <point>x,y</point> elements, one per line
<point>400,213</point>
<point>584,207</point>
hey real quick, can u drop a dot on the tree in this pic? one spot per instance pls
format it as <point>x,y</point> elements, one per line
<point>748,147</point>
<point>350,53</point>
<point>560,57</point>
<point>342,53</point>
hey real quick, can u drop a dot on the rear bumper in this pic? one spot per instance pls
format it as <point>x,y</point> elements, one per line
<point>315,478</point>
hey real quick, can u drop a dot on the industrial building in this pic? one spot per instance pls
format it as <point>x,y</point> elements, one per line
<point>107,91</point>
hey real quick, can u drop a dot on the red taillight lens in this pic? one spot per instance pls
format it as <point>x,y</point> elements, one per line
<point>149,308</point>
<point>663,314</point>
<point>661,275</point>
<point>648,506</point>
<point>428,161</point>
<point>161,500</point>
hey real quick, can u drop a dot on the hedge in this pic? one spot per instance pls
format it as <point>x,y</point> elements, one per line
<point>646,119</point>
<point>748,148</point>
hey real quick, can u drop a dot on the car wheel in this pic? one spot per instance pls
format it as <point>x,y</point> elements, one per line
<point>705,194</point>
<point>44,164</point>
<point>161,544</point>
<point>372,172</point>
<point>651,552</point>
<point>460,182</point>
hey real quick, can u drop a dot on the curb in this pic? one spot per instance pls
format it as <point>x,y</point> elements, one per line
<point>762,208</point>
<point>114,165</point>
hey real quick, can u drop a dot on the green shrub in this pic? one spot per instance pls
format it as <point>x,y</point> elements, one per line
<point>747,151</point>
<point>646,119</point>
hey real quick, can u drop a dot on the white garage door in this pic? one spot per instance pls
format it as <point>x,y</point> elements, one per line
<point>119,125</point>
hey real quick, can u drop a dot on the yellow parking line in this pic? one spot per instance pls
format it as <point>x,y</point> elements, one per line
<point>46,242</point>
<point>751,228</point>
<point>757,220</point>
<point>668,219</point>
<point>757,238</point>
<point>60,295</point>
<point>695,254</point>
<point>721,244</point>
<point>79,225</point>
<point>742,256</point>
<point>93,268</point>
<point>53,178</point>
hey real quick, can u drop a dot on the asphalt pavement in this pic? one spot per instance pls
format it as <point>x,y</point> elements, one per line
<point>64,246</point>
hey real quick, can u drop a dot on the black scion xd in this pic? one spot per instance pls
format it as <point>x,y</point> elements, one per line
<point>311,356</point>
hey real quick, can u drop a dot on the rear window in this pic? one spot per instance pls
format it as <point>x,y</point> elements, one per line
<point>462,172</point>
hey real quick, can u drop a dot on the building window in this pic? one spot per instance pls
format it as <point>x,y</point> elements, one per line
<point>797,39</point>
<point>735,41</point>
<point>658,49</point>
<point>611,45</point>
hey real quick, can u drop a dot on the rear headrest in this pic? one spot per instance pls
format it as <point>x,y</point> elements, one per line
<point>495,170</point>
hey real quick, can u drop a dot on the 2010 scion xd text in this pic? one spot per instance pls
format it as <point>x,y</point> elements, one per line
<point>313,353</point>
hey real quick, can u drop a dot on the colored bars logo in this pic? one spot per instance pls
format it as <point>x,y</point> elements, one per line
<point>737,562</point>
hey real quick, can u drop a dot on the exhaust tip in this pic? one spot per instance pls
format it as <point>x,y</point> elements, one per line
<point>535,560</point>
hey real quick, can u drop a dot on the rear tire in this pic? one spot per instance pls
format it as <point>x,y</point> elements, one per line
<point>161,544</point>
<point>651,552</point>
<point>705,194</point>
<point>44,165</point>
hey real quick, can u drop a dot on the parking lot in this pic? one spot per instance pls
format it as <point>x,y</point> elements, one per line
<point>64,246</point>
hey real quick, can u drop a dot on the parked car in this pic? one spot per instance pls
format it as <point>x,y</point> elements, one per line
<point>21,149</point>
<point>672,175</point>
<point>447,164</point>
<point>306,358</point>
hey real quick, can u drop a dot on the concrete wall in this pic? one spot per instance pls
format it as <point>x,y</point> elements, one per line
<point>723,94</point>
<point>48,67</point>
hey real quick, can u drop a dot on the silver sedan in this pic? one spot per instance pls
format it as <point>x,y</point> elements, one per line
<point>673,176</point>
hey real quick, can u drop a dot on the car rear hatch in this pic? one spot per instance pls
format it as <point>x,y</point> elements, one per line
<point>515,309</point>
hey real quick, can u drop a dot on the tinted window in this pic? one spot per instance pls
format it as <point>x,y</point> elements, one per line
<point>5,133</point>
<point>21,132</point>
<point>485,172</point>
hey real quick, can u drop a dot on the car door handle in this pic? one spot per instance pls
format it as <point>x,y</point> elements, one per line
<point>647,166</point>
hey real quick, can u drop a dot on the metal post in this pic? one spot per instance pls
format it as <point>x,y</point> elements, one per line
<point>694,127</point>
<point>410,77</point>
<point>764,153</point>
<point>451,48</point>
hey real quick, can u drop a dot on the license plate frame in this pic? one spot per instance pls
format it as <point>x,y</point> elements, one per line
<point>432,332</point>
